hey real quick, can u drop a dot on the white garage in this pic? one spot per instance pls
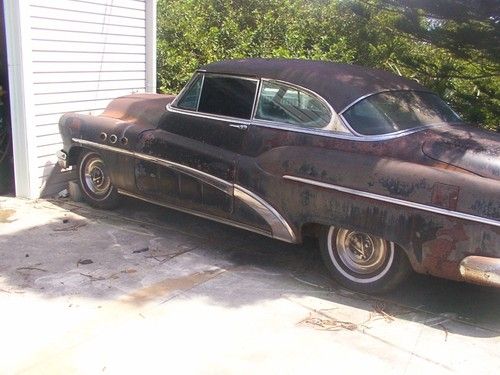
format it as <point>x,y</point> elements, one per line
<point>68,56</point>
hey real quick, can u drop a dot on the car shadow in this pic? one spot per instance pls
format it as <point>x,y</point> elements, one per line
<point>279,268</point>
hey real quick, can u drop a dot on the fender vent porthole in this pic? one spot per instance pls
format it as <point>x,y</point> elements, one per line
<point>124,141</point>
<point>103,136</point>
<point>113,138</point>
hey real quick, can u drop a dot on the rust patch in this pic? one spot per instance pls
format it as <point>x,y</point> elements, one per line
<point>305,197</point>
<point>487,208</point>
<point>399,188</point>
<point>308,170</point>
<point>438,260</point>
<point>445,196</point>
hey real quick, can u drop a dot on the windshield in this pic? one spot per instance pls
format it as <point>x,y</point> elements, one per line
<point>392,111</point>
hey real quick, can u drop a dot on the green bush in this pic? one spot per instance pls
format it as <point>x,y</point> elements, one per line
<point>417,39</point>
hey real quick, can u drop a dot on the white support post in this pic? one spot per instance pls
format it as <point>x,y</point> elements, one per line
<point>151,46</point>
<point>17,28</point>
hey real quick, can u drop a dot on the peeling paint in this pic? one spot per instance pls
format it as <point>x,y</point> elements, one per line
<point>401,188</point>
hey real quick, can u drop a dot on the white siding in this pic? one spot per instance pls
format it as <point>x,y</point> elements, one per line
<point>84,53</point>
<point>70,56</point>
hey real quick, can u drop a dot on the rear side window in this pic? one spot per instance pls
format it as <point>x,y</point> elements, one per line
<point>283,103</point>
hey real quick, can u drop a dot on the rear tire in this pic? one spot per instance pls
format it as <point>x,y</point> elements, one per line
<point>95,181</point>
<point>363,262</point>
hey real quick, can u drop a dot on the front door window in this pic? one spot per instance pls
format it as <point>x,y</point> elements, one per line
<point>228,96</point>
<point>191,96</point>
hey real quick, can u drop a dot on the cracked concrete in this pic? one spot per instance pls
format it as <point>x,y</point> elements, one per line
<point>148,290</point>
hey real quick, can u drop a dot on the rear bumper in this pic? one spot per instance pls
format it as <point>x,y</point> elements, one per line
<point>62,159</point>
<point>481,270</point>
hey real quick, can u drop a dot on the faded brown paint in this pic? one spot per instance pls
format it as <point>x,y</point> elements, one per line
<point>456,168</point>
<point>138,109</point>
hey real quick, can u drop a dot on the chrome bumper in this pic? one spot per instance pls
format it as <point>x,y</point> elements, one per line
<point>481,270</point>
<point>62,159</point>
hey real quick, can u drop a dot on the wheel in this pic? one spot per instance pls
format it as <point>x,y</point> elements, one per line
<point>363,262</point>
<point>95,182</point>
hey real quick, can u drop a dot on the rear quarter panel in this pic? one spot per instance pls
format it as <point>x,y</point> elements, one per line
<point>395,168</point>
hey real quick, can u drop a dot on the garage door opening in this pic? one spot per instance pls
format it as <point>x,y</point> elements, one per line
<point>6,161</point>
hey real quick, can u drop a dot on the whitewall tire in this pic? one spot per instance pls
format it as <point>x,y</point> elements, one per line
<point>362,261</point>
<point>95,181</point>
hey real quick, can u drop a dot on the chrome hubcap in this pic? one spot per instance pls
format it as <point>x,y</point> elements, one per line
<point>362,253</point>
<point>96,178</point>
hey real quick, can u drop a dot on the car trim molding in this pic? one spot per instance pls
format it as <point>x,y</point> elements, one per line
<point>102,146</point>
<point>173,109</point>
<point>203,74</point>
<point>185,88</point>
<point>375,93</point>
<point>392,134</point>
<point>401,202</point>
<point>211,180</point>
<point>196,213</point>
<point>279,226</point>
<point>319,132</point>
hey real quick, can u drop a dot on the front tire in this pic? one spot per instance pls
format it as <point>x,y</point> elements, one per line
<point>363,262</point>
<point>95,181</point>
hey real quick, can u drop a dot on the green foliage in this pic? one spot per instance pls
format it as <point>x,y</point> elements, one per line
<point>450,46</point>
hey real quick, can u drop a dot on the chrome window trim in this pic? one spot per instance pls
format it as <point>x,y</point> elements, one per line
<point>333,114</point>
<point>207,115</point>
<point>351,134</point>
<point>173,104</point>
<point>298,129</point>
<point>379,92</point>
<point>310,131</point>
<point>246,78</point>
<point>256,99</point>
<point>403,132</point>
<point>397,201</point>
<point>343,136</point>
<point>201,89</point>
<point>186,87</point>
<point>396,134</point>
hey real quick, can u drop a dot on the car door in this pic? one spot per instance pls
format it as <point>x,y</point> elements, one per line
<point>283,138</point>
<point>195,149</point>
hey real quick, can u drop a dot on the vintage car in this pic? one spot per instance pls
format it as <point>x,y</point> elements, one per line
<point>376,166</point>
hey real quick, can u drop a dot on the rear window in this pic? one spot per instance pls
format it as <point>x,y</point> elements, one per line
<point>393,111</point>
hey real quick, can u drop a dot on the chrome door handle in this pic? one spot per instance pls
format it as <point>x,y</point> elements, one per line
<point>239,126</point>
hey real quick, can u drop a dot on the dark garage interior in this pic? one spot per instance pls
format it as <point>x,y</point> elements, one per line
<point>6,162</point>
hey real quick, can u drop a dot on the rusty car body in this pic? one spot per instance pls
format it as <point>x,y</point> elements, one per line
<point>378,167</point>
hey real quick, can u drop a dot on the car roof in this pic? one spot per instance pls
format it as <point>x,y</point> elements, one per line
<point>339,84</point>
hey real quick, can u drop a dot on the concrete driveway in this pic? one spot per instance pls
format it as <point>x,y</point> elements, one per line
<point>147,290</point>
